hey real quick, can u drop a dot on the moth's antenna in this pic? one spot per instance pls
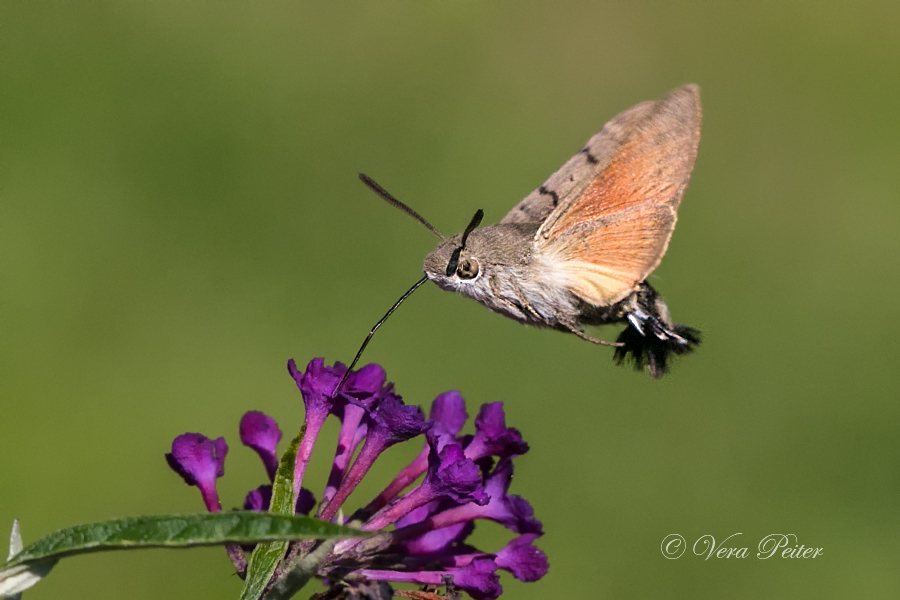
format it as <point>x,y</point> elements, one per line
<point>373,185</point>
<point>475,222</point>
<point>454,258</point>
<point>374,329</point>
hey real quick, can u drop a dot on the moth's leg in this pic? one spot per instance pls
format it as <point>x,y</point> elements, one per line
<point>585,336</point>
<point>513,308</point>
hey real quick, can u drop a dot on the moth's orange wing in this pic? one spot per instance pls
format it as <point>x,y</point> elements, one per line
<point>572,178</point>
<point>611,236</point>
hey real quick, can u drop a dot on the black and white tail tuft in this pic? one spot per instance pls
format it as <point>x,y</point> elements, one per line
<point>651,337</point>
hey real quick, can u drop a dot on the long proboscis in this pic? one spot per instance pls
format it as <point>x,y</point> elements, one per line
<point>387,197</point>
<point>372,332</point>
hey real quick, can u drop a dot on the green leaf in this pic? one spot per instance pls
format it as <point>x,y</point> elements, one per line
<point>265,557</point>
<point>180,531</point>
<point>283,499</point>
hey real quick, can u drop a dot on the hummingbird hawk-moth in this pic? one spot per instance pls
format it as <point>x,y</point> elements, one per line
<point>577,251</point>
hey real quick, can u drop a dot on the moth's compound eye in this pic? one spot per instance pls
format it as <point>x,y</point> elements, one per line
<point>467,269</point>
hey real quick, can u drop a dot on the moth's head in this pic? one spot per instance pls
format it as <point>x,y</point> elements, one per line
<point>451,266</point>
<point>455,264</point>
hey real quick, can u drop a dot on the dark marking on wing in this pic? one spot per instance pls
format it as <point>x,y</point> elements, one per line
<point>550,193</point>
<point>571,180</point>
<point>590,157</point>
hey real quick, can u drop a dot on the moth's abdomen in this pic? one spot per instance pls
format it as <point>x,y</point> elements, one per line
<point>650,337</point>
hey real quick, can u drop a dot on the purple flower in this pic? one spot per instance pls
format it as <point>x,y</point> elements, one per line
<point>317,383</point>
<point>367,387</point>
<point>391,422</point>
<point>521,558</point>
<point>261,433</point>
<point>450,474</point>
<point>453,475</point>
<point>260,498</point>
<point>479,578</point>
<point>420,530</point>
<point>513,512</point>
<point>200,461</point>
<point>448,413</point>
<point>492,438</point>
<point>366,382</point>
<point>317,386</point>
<point>306,501</point>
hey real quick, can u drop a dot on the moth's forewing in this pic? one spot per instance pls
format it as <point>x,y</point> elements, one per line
<point>573,177</point>
<point>613,233</point>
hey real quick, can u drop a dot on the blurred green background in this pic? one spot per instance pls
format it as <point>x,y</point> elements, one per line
<point>180,214</point>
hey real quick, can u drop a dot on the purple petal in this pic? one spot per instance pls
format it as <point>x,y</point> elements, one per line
<point>448,411</point>
<point>368,380</point>
<point>522,516</point>
<point>492,437</point>
<point>200,461</point>
<point>394,422</point>
<point>514,512</point>
<point>364,388</point>
<point>261,433</point>
<point>452,474</point>
<point>258,499</point>
<point>317,385</point>
<point>479,579</point>
<point>521,558</point>
<point>306,500</point>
